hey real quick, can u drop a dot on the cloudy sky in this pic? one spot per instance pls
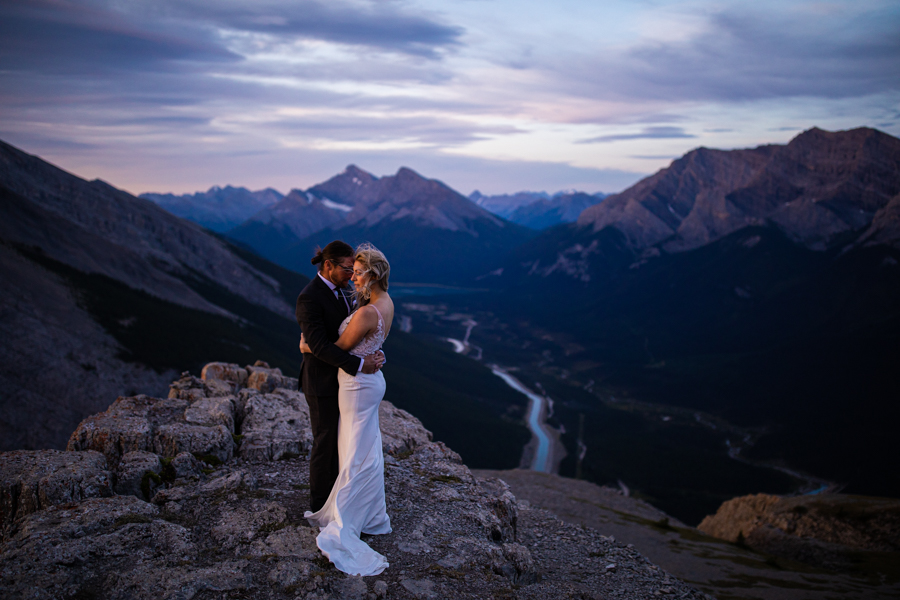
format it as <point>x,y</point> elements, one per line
<point>495,95</point>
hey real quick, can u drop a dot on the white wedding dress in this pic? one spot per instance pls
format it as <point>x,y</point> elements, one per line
<point>356,503</point>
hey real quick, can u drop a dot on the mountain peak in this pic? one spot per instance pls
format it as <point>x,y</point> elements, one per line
<point>354,171</point>
<point>407,172</point>
<point>814,137</point>
<point>819,186</point>
<point>407,181</point>
<point>348,182</point>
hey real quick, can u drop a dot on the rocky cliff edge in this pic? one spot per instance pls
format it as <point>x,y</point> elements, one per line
<point>201,495</point>
<point>826,530</point>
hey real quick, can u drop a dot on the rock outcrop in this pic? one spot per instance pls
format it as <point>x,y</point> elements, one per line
<point>33,481</point>
<point>153,500</point>
<point>820,530</point>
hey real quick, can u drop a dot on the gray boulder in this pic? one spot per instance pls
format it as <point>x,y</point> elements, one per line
<point>212,444</point>
<point>230,372</point>
<point>263,378</point>
<point>129,424</point>
<point>275,425</point>
<point>400,431</point>
<point>33,480</point>
<point>160,425</point>
<point>190,388</point>
<point>138,474</point>
<point>185,465</point>
<point>210,412</point>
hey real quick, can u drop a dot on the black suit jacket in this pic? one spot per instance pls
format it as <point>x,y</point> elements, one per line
<point>319,314</point>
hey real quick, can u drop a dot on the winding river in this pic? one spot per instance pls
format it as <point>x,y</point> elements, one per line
<point>536,403</point>
<point>541,461</point>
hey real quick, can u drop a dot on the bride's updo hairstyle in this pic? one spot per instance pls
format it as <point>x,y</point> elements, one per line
<point>334,252</point>
<point>376,266</point>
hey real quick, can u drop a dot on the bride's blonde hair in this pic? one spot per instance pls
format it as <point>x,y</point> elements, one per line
<point>376,265</point>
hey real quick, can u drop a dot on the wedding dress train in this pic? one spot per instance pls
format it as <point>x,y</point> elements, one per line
<point>356,503</point>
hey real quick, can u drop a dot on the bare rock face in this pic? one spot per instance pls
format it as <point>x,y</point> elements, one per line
<point>214,443</point>
<point>274,425</point>
<point>210,412</point>
<point>130,424</point>
<point>205,417</point>
<point>185,465</point>
<point>229,372</point>
<point>133,474</point>
<point>191,388</point>
<point>400,431</point>
<point>33,480</point>
<point>885,227</point>
<point>819,530</point>
<point>235,527</point>
<point>265,379</point>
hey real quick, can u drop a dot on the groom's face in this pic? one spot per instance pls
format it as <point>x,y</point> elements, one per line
<point>340,272</point>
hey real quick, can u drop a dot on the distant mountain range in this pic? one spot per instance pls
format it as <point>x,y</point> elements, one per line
<point>429,232</point>
<point>537,210</point>
<point>762,285</point>
<point>398,213</point>
<point>219,209</point>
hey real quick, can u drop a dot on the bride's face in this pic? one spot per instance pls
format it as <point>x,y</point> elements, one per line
<point>360,275</point>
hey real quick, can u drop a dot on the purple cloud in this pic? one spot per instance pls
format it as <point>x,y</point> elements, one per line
<point>651,133</point>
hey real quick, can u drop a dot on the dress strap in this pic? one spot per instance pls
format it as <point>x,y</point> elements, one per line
<point>380,318</point>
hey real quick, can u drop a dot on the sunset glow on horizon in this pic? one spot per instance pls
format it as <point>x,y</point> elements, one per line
<point>499,96</point>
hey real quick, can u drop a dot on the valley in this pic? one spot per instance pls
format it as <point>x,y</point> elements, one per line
<point>680,459</point>
<point>539,453</point>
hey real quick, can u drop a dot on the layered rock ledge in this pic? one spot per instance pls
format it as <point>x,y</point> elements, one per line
<point>201,495</point>
<point>826,531</point>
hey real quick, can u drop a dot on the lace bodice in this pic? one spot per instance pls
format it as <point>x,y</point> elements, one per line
<point>371,342</point>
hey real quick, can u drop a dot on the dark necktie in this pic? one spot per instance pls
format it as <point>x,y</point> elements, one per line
<point>343,298</point>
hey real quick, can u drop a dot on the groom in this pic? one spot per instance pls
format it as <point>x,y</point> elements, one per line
<point>321,307</point>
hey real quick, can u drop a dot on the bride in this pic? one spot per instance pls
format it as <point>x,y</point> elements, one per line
<point>356,504</point>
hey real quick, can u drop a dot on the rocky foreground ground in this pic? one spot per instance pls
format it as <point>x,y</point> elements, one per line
<point>831,546</point>
<point>201,495</point>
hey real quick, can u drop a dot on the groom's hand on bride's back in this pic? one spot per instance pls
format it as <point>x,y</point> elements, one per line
<point>373,362</point>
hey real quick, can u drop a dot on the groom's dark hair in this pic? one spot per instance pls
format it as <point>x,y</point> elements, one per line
<point>334,251</point>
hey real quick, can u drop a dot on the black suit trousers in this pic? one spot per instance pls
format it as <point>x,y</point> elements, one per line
<point>324,414</point>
